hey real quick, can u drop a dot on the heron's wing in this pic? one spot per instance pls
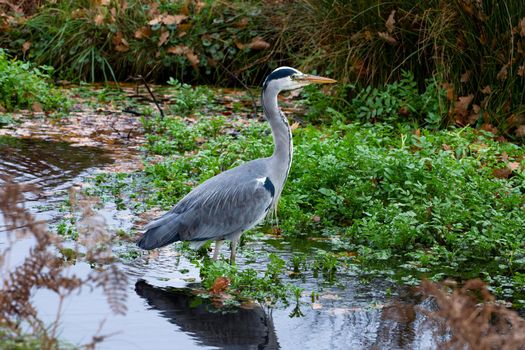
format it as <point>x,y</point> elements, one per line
<point>218,208</point>
<point>224,208</point>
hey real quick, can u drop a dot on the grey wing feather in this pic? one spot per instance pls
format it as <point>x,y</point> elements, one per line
<point>227,204</point>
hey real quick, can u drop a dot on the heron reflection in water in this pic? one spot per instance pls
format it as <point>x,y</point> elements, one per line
<point>242,329</point>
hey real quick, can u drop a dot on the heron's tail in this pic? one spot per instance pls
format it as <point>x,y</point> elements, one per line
<point>160,233</point>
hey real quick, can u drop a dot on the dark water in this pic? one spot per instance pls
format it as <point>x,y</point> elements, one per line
<point>163,312</point>
<point>49,168</point>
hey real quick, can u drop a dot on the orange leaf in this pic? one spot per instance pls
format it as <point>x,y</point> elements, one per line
<point>177,50</point>
<point>258,44</point>
<point>462,104</point>
<point>163,38</point>
<point>521,70</point>
<point>390,22</point>
<point>220,285</point>
<point>193,58</point>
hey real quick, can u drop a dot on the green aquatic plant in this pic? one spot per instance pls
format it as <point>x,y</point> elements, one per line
<point>26,86</point>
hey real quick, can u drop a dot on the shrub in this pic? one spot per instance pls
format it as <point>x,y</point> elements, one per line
<point>24,86</point>
<point>473,46</point>
<point>86,40</point>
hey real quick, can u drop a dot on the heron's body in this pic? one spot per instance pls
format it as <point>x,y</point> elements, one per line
<point>236,200</point>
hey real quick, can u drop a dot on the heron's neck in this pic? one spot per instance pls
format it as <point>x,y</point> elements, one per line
<point>282,136</point>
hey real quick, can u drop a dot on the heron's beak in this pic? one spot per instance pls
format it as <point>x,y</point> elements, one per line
<point>311,79</point>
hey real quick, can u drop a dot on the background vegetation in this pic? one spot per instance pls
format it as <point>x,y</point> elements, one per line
<point>472,50</point>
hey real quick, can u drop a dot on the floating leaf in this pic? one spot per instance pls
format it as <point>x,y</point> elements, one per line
<point>220,285</point>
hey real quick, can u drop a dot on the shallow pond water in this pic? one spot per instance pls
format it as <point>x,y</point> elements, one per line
<point>163,312</point>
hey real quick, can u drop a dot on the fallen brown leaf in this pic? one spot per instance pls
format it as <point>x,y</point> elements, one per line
<point>462,104</point>
<point>143,32</point>
<point>173,19</point>
<point>37,107</point>
<point>521,26</point>
<point>26,46</point>
<point>220,285</point>
<point>465,77</point>
<point>390,22</point>
<point>520,131</point>
<point>258,44</point>
<point>99,19</point>
<point>177,50</point>
<point>503,173</point>
<point>387,38</point>
<point>163,38</point>
<point>503,73</point>
<point>193,58</point>
<point>487,90</point>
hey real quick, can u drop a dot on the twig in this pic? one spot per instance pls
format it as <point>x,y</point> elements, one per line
<point>254,103</point>
<point>151,93</point>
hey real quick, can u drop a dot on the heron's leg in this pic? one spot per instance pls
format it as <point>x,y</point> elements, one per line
<point>218,244</point>
<point>235,240</point>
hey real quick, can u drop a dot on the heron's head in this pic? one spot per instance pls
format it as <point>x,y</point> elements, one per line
<point>287,78</point>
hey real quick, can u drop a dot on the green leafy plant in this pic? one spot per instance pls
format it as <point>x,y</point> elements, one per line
<point>23,85</point>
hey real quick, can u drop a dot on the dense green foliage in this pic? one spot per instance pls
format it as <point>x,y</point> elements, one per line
<point>472,49</point>
<point>88,40</point>
<point>440,203</point>
<point>23,85</point>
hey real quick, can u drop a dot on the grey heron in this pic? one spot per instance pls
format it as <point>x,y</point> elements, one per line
<point>228,204</point>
